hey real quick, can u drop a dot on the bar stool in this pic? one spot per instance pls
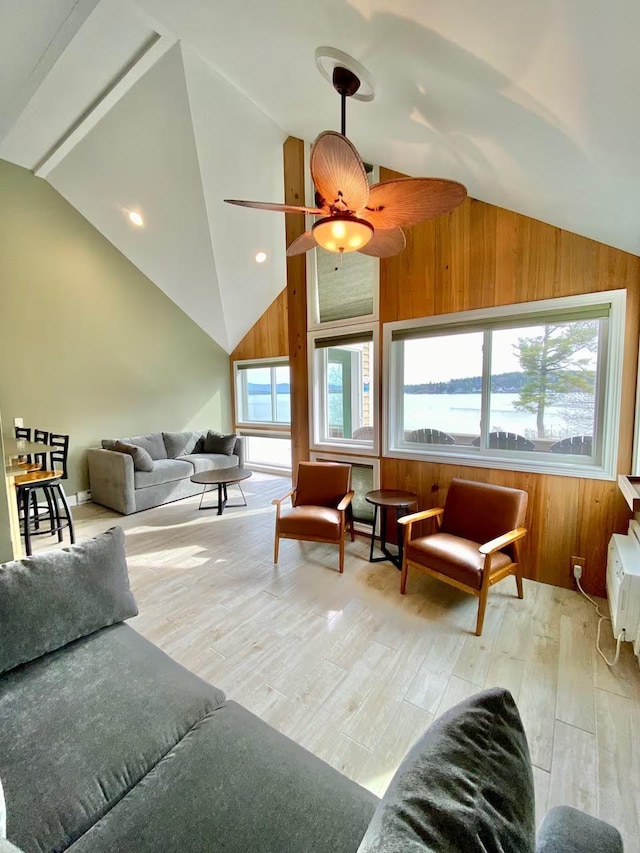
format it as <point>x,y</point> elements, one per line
<point>58,516</point>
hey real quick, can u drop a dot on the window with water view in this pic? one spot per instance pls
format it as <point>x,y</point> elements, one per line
<point>263,393</point>
<point>523,387</point>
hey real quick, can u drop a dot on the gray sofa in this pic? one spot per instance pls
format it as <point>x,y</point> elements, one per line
<point>176,456</point>
<point>107,745</point>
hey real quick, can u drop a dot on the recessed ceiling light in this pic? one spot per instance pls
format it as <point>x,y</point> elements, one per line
<point>135,217</point>
<point>261,257</point>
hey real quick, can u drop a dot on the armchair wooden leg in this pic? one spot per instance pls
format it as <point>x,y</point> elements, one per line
<point>276,546</point>
<point>341,554</point>
<point>519,582</point>
<point>353,532</point>
<point>404,575</point>
<point>482,604</point>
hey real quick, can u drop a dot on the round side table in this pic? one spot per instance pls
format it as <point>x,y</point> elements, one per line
<point>398,501</point>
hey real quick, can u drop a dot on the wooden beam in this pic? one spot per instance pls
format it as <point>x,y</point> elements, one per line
<point>294,182</point>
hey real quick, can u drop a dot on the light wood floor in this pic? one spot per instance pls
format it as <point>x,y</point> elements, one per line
<point>355,672</point>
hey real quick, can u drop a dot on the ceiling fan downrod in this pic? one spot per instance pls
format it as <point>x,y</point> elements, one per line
<point>346,84</point>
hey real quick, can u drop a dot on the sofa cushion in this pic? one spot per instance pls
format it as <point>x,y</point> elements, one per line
<point>80,727</point>
<point>466,785</point>
<point>211,461</point>
<point>179,443</point>
<point>216,442</point>
<point>53,598</point>
<point>164,471</point>
<point>108,443</point>
<point>153,443</point>
<point>3,814</point>
<point>141,459</point>
<point>567,830</point>
<point>235,784</point>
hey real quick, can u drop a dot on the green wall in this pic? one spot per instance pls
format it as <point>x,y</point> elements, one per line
<point>89,346</point>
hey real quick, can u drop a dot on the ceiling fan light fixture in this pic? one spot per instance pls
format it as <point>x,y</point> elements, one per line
<point>342,233</point>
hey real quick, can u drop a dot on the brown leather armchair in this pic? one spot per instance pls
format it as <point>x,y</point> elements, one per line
<point>473,514</point>
<point>320,502</point>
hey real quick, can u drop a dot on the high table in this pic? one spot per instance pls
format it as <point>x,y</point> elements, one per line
<point>13,448</point>
<point>398,501</point>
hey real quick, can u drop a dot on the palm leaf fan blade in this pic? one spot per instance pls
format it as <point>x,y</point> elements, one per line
<point>279,208</point>
<point>338,172</point>
<point>302,244</point>
<point>385,243</point>
<point>407,201</point>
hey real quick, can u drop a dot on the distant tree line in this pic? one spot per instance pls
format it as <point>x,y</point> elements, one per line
<point>504,383</point>
<point>501,383</point>
<point>259,388</point>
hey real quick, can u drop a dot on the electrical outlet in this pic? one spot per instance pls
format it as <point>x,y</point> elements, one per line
<point>577,566</point>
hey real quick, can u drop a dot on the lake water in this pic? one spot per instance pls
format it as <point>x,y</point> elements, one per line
<point>460,413</point>
<point>453,413</point>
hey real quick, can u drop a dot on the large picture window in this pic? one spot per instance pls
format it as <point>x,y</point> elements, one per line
<point>344,405</point>
<point>528,387</point>
<point>263,392</point>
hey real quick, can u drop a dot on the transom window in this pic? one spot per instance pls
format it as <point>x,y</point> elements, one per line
<point>528,387</point>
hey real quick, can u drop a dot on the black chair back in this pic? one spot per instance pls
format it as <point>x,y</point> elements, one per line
<point>42,437</point>
<point>59,456</point>
<point>24,433</point>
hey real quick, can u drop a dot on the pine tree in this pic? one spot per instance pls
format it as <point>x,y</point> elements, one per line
<point>555,363</point>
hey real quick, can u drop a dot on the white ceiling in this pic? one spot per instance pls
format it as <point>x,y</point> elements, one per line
<point>531,105</point>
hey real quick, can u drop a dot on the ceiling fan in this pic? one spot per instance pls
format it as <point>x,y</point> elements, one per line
<point>356,217</point>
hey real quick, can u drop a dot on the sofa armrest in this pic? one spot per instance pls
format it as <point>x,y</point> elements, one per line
<point>239,450</point>
<point>567,830</point>
<point>111,480</point>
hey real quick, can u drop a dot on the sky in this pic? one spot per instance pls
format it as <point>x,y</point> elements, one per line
<point>458,356</point>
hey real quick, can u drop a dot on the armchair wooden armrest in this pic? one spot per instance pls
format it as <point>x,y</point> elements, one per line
<point>501,542</point>
<point>277,502</point>
<point>407,521</point>
<point>420,516</point>
<point>346,500</point>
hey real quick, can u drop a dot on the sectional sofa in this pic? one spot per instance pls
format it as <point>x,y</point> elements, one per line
<point>106,744</point>
<point>117,482</point>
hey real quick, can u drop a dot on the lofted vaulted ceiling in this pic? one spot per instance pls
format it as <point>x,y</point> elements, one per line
<point>168,106</point>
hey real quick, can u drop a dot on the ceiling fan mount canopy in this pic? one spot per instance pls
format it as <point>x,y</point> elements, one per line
<point>345,82</point>
<point>357,217</point>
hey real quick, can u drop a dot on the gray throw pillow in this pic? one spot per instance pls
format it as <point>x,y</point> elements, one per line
<point>216,442</point>
<point>152,442</point>
<point>466,785</point>
<point>56,597</point>
<point>180,443</point>
<point>141,459</point>
<point>108,443</point>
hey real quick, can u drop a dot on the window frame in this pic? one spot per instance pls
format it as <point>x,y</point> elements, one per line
<point>316,389</point>
<point>610,366</point>
<point>240,397</point>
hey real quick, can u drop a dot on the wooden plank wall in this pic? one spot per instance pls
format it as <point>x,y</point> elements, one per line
<point>477,257</point>
<point>481,256</point>
<point>268,337</point>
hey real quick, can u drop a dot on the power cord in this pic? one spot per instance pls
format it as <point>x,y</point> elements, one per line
<point>602,619</point>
